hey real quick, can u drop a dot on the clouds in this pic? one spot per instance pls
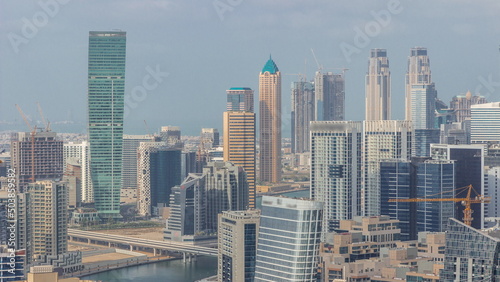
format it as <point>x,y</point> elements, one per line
<point>206,55</point>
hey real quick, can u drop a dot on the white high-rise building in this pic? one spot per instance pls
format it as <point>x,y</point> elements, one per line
<point>485,123</point>
<point>378,86</point>
<point>80,151</point>
<point>336,169</point>
<point>289,238</point>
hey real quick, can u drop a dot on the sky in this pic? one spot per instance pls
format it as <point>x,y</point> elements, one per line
<point>197,50</point>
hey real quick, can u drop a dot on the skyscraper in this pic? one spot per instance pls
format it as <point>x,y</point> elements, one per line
<point>226,189</point>
<point>36,156</point>
<point>106,88</point>
<point>423,105</point>
<point>270,123</point>
<point>187,218</point>
<point>238,232</point>
<point>239,145</point>
<point>419,72</point>
<point>461,104</point>
<point>418,178</point>
<point>49,217</point>
<point>378,86</point>
<point>302,114</point>
<point>240,99</point>
<point>171,135</point>
<point>336,158</point>
<point>484,126</point>
<point>159,170</point>
<point>382,139</point>
<point>469,170</point>
<point>289,237</point>
<point>129,156</point>
<point>209,138</point>
<point>329,93</point>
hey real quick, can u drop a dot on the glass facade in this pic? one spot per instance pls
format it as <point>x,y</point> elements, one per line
<point>289,237</point>
<point>106,86</point>
<point>165,170</point>
<point>470,255</point>
<point>421,178</point>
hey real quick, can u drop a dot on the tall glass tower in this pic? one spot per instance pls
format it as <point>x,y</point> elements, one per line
<point>106,87</point>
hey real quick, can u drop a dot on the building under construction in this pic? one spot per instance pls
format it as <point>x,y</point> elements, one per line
<point>36,156</point>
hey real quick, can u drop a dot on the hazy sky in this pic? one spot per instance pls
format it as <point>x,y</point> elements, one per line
<point>208,46</point>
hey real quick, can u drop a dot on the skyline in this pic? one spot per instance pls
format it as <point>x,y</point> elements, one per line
<point>50,65</point>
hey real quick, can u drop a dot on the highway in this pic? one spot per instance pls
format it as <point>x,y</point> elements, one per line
<point>132,241</point>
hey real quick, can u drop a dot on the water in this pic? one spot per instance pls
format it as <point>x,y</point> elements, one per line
<point>175,270</point>
<point>171,271</point>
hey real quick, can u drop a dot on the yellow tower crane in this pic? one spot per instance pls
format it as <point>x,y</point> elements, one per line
<point>467,201</point>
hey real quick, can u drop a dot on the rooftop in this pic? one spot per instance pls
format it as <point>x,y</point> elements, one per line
<point>270,67</point>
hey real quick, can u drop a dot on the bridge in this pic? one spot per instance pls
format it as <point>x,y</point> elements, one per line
<point>188,251</point>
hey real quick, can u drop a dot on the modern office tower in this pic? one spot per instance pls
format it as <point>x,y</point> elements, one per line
<point>423,105</point>
<point>461,104</point>
<point>36,156</point>
<point>171,135</point>
<point>418,178</point>
<point>270,123</point>
<point>187,210</point>
<point>239,146</point>
<point>454,133</point>
<point>80,151</point>
<point>469,170</point>
<point>302,114</point>
<point>422,140</point>
<point>419,72</point>
<point>336,158</point>
<point>240,99</point>
<point>209,138</point>
<point>396,179</point>
<point>129,155</point>
<point>22,230</point>
<point>226,189</point>
<point>237,245</point>
<point>378,86</point>
<point>106,89</point>
<point>48,217</point>
<point>382,140</point>
<point>485,126</point>
<point>289,237</point>
<point>434,179</point>
<point>470,254</point>
<point>330,96</point>
<point>159,168</point>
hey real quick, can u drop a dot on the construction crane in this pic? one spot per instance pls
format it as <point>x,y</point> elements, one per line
<point>467,201</point>
<point>32,137</point>
<point>320,67</point>
<point>45,122</point>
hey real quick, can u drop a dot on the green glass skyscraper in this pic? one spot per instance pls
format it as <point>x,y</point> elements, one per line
<point>106,87</point>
